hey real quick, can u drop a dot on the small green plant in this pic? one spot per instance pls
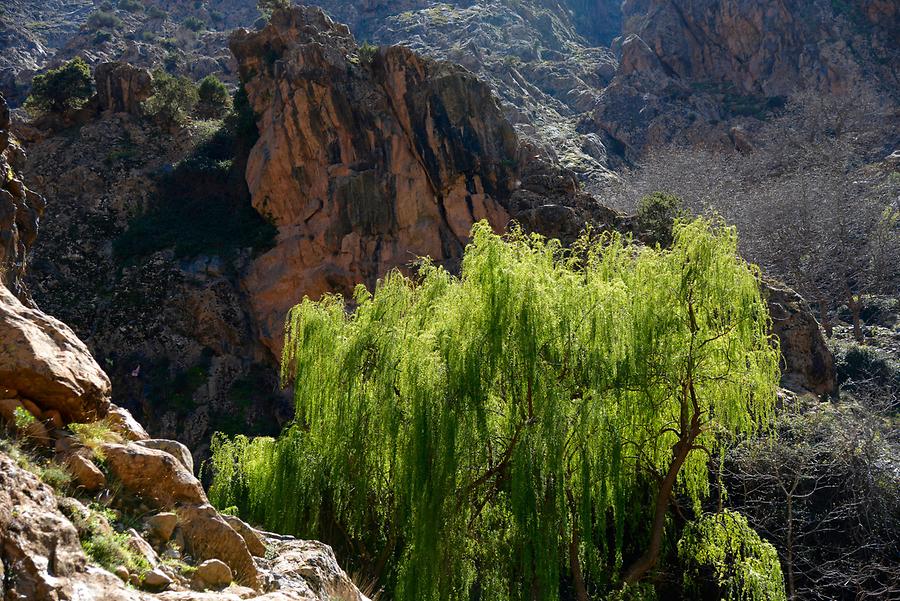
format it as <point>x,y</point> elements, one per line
<point>155,12</point>
<point>55,476</point>
<point>132,6</point>
<point>367,53</point>
<point>23,418</point>
<point>724,549</point>
<point>93,435</point>
<point>267,7</point>
<point>66,87</point>
<point>173,100</point>
<point>213,98</point>
<point>656,215</point>
<point>101,37</point>
<point>111,549</point>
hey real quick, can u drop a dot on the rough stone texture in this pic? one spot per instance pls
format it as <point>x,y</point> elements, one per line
<point>807,361</point>
<point>254,540</point>
<point>44,360</point>
<point>85,474</point>
<point>208,536</point>
<point>212,573</point>
<point>363,167</point>
<point>692,69</point>
<point>39,547</point>
<point>20,210</point>
<point>162,525</point>
<point>153,475</point>
<point>123,423</point>
<point>173,448</point>
<point>122,87</point>
<point>142,547</point>
<point>310,565</point>
<point>156,580</point>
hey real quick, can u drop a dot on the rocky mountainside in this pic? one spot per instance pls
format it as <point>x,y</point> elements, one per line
<point>153,249</point>
<point>700,71</point>
<point>185,37</point>
<point>169,323</point>
<point>80,479</point>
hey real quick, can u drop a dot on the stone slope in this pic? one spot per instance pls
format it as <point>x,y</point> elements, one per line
<point>692,70</point>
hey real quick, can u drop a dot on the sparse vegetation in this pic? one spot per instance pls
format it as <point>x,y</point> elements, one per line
<point>194,24</point>
<point>93,435</point>
<point>103,20</point>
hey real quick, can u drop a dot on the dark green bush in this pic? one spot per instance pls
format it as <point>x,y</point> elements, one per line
<point>656,214</point>
<point>203,204</point>
<point>174,98</point>
<point>214,100</point>
<point>103,20</point>
<point>66,87</point>
<point>193,23</point>
<point>101,37</point>
<point>132,6</point>
<point>154,12</point>
<point>864,367</point>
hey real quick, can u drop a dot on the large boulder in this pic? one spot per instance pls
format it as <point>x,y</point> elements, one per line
<point>46,362</point>
<point>121,88</point>
<point>208,536</point>
<point>153,475</point>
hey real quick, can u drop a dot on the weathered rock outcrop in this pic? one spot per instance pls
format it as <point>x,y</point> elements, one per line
<point>122,87</point>
<point>45,362</point>
<point>808,363</point>
<point>533,53</point>
<point>364,161</point>
<point>20,210</point>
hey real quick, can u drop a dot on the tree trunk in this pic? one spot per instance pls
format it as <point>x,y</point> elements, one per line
<point>855,304</point>
<point>574,561</point>
<point>645,562</point>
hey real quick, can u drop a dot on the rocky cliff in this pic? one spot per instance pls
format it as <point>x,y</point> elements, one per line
<point>693,69</point>
<point>20,210</point>
<point>365,161</point>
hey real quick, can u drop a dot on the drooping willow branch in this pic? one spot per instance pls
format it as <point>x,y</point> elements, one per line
<point>497,431</point>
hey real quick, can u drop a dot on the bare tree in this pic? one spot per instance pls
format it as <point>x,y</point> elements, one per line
<point>811,206</point>
<point>826,493</point>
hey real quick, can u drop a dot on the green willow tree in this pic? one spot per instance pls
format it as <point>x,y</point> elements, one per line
<point>521,427</point>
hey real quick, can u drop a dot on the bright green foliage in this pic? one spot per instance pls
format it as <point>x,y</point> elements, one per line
<point>23,418</point>
<point>724,549</point>
<point>213,99</point>
<point>656,215</point>
<point>463,433</point>
<point>66,87</point>
<point>173,100</point>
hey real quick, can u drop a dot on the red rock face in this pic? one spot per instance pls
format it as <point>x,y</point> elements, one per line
<point>367,160</point>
